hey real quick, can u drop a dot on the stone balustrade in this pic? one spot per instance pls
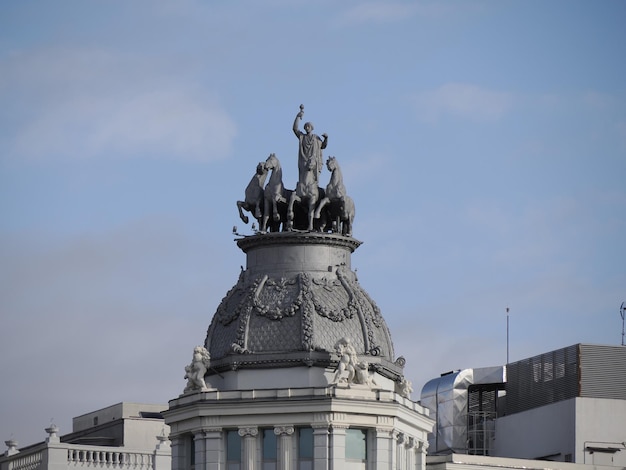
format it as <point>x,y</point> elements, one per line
<point>62,456</point>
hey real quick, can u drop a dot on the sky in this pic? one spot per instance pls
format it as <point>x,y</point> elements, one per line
<point>483,142</point>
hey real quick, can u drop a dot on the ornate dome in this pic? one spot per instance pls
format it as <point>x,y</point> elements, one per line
<point>296,298</point>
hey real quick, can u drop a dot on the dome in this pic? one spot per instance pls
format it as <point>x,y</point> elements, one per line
<point>297,297</point>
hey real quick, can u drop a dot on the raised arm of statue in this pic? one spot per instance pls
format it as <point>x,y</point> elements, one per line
<point>296,121</point>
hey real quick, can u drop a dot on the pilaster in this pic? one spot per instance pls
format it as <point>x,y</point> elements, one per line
<point>422,449</point>
<point>400,452</point>
<point>338,446</point>
<point>213,443</point>
<point>200,459</point>
<point>410,446</point>
<point>383,455</point>
<point>178,453</point>
<point>321,457</point>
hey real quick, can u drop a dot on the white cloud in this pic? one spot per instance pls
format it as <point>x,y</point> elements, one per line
<point>88,103</point>
<point>462,100</point>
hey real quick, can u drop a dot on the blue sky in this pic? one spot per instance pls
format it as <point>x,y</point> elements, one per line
<point>483,142</point>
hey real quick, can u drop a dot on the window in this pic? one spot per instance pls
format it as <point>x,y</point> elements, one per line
<point>269,449</point>
<point>305,449</point>
<point>191,452</point>
<point>356,444</point>
<point>233,450</point>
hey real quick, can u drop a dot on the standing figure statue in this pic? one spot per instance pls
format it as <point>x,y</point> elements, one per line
<point>310,148</point>
<point>194,372</point>
<point>310,162</point>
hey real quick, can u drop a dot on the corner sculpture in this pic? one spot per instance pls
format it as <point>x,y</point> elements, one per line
<point>195,372</point>
<point>350,370</point>
<point>307,208</point>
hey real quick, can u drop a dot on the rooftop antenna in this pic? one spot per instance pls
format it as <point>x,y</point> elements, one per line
<point>507,335</point>
<point>622,313</point>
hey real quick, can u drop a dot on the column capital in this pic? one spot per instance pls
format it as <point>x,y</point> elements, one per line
<point>422,446</point>
<point>283,430</point>
<point>251,431</point>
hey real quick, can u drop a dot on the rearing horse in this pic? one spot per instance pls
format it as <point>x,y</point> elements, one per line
<point>341,206</point>
<point>306,192</point>
<point>274,192</point>
<point>254,195</point>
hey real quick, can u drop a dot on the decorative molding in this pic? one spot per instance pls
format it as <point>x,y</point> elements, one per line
<point>423,447</point>
<point>251,431</point>
<point>297,238</point>
<point>283,430</point>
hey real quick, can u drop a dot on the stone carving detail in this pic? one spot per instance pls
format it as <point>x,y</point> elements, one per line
<point>275,293</point>
<point>252,431</point>
<point>194,372</point>
<point>404,387</point>
<point>225,314</point>
<point>350,370</point>
<point>307,312</point>
<point>254,198</point>
<point>283,430</point>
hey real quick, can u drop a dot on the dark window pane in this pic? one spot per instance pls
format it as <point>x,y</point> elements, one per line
<point>269,444</point>
<point>305,443</point>
<point>233,446</point>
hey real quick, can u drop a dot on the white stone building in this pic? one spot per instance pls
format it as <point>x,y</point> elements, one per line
<point>125,436</point>
<point>302,372</point>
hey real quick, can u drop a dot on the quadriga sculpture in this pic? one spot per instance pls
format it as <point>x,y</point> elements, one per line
<point>254,198</point>
<point>336,207</point>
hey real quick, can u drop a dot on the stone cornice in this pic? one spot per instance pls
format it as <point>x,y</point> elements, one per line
<point>297,238</point>
<point>298,358</point>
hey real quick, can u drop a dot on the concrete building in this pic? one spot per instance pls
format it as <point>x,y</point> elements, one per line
<point>123,436</point>
<point>567,405</point>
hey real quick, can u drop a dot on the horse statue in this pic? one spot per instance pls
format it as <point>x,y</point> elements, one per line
<point>336,204</point>
<point>306,194</point>
<point>274,196</point>
<point>254,198</point>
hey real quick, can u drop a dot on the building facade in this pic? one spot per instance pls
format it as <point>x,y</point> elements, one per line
<point>125,436</point>
<point>566,405</point>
